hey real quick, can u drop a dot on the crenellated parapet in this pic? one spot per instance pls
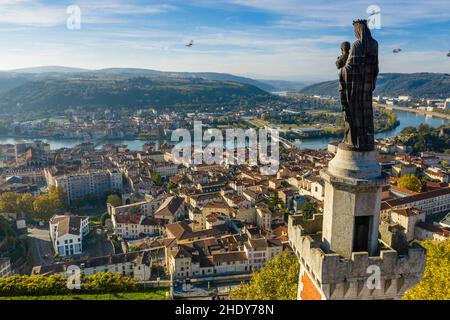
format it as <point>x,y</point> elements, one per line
<point>348,278</point>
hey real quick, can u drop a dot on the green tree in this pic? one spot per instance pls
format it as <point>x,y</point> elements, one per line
<point>408,131</point>
<point>156,178</point>
<point>25,204</point>
<point>410,182</point>
<point>274,201</point>
<point>47,205</point>
<point>308,209</point>
<point>277,280</point>
<point>38,285</point>
<point>8,202</point>
<point>108,282</point>
<point>58,195</point>
<point>435,283</point>
<point>171,186</point>
<point>18,285</point>
<point>114,200</point>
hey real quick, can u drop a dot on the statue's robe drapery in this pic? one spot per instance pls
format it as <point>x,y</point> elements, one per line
<point>358,78</point>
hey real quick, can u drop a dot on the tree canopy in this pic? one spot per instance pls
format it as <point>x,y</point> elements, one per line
<point>102,282</point>
<point>9,202</point>
<point>45,206</point>
<point>435,283</point>
<point>423,138</point>
<point>42,207</point>
<point>114,200</point>
<point>156,178</point>
<point>410,182</point>
<point>274,201</point>
<point>308,209</point>
<point>277,280</point>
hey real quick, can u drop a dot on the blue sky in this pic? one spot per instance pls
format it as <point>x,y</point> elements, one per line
<point>272,39</point>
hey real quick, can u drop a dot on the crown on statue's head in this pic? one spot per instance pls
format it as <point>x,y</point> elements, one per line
<point>360,21</point>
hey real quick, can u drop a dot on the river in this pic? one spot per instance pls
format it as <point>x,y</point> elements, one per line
<point>406,119</point>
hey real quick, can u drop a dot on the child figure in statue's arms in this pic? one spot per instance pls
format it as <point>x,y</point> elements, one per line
<point>340,63</point>
<point>342,59</point>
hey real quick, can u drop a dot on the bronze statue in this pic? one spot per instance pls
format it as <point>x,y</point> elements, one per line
<point>357,80</point>
<point>340,63</point>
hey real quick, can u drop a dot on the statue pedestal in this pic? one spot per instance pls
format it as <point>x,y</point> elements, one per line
<point>355,164</point>
<point>353,182</point>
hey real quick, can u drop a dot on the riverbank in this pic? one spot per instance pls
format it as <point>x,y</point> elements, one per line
<point>405,117</point>
<point>422,112</point>
<point>390,123</point>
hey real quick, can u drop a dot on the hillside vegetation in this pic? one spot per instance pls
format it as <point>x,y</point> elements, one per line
<point>395,84</point>
<point>55,95</point>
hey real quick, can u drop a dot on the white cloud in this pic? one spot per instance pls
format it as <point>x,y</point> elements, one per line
<point>123,8</point>
<point>40,14</point>
<point>31,13</point>
<point>313,13</point>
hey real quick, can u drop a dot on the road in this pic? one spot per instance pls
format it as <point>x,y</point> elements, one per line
<point>41,246</point>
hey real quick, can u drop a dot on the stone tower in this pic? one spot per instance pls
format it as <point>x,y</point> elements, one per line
<point>353,184</point>
<point>341,255</point>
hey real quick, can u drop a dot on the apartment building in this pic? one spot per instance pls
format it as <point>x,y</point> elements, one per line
<point>199,214</point>
<point>183,232</point>
<point>79,184</point>
<point>136,265</point>
<point>313,186</point>
<point>259,250</point>
<point>171,210</point>
<point>147,207</point>
<point>165,169</point>
<point>186,262</point>
<point>408,218</point>
<point>263,217</point>
<point>133,226</point>
<point>431,202</point>
<point>229,254</point>
<point>67,233</point>
<point>206,257</point>
<point>436,174</point>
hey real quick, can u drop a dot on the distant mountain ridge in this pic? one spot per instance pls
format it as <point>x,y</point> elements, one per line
<point>47,69</point>
<point>417,85</point>
<point>283,85</point>
<point>55,95</point>
<point>54,71</point>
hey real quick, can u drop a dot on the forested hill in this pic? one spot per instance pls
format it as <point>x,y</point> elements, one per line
<point>96,93</point>
<point>37,73</point>
<point>419,85</point>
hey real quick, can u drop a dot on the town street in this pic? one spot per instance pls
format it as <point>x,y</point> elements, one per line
<point>41,246</point>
